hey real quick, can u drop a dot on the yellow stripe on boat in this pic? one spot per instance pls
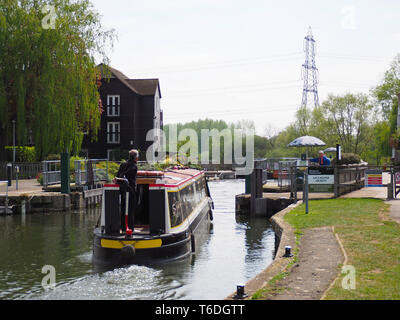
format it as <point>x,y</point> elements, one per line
<point>140,244</point>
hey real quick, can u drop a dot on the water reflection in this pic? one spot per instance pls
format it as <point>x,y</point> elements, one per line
<point>234,251</point>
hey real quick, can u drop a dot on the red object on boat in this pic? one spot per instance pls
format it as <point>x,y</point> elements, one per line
<point>128,231</point>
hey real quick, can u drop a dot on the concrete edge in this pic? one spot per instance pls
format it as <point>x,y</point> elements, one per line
<point>284,233</point>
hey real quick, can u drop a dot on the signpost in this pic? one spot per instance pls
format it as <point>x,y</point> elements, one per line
<point>338,152</point>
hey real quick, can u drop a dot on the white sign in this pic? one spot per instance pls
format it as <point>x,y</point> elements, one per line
<point>321,179</point>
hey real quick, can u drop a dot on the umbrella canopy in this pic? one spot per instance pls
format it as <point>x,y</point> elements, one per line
<point>331,149</point>
<point>307,141</point>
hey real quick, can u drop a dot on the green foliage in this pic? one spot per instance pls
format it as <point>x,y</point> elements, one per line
<point>48,77</point>
<point>348,158</point>
<point>186,144</point>
<point>331,212</point>
<point>53,157</point>
<point>39,178</point>
<point>22,154</point>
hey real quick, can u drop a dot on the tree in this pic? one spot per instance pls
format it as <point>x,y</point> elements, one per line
<point>349,116</point>
<point>48,75</point>
<point>386,95</point>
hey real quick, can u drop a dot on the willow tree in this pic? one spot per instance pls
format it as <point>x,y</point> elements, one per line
<point>48,73</point>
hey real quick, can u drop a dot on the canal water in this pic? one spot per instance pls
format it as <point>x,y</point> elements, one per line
<point>236,250</point>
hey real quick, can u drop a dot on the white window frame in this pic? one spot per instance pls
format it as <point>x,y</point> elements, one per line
<point>113,105</point>
<point>113,136</point>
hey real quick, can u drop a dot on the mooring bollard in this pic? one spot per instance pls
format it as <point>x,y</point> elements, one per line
<point>240,292</point>
<point>288,252</point>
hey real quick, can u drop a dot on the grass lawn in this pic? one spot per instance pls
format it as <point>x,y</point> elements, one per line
<point>370,239</point>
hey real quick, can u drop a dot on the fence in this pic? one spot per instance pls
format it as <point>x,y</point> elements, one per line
<point>51,172</point>
<point>26,170</point>
<point>83,167</point>
<point>284,179</point>
<point>345,178</point>
<point>348,179</point>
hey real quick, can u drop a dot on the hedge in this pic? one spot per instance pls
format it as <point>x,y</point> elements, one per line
<point>22,154</point>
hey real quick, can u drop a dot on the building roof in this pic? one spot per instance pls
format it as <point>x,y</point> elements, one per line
<point>143,87</point>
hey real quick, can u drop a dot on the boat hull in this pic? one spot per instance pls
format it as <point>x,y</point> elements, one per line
<point>114,251</point>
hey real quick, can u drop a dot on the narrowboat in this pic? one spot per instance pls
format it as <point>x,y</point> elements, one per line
<point>173,207</point>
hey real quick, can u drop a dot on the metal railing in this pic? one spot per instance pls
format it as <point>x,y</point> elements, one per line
<point>51,171</point>
<point>284,179</point>
<point>26,170</point>
<point>82,167</point>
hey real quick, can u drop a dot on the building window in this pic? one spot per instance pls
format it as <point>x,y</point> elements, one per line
<point>113,105</point>
<point>113,132</point>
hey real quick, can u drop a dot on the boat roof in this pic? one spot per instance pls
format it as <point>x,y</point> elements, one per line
<point>171,178</point>
<point>176,177</point>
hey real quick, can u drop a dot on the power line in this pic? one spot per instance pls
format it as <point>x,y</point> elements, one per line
<point>352,57</point>
<point>242,110</point>
<point>254,61</point>
<point>259,87</point>
<point>235,89</point>
<point>226,64</point>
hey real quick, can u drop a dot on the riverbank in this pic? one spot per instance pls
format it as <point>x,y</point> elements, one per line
<point>31,197</point>
<point>359,233</point>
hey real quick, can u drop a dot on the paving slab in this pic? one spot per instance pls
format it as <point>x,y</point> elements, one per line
<point>368,192</point>
<point>394,209</point>
<point>24,187</point>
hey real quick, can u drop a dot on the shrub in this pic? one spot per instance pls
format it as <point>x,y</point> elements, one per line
<point>51,157</point>
<point>348,158</point>
<point>22,154</point>
<point>39,178</point>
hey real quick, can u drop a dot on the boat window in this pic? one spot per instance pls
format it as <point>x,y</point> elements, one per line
<point>183,202</point>
<point>175,210</point>
<point>200,187</point>
<point>185,199</point>
<point>198,191</point>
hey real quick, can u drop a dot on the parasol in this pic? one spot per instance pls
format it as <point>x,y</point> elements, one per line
<point>306,141</point>
<point>331,149</point>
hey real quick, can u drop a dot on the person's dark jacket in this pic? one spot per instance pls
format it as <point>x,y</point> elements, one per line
<point>128,170</point>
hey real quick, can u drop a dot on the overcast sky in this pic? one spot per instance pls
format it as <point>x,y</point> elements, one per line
<point>234,60</point>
